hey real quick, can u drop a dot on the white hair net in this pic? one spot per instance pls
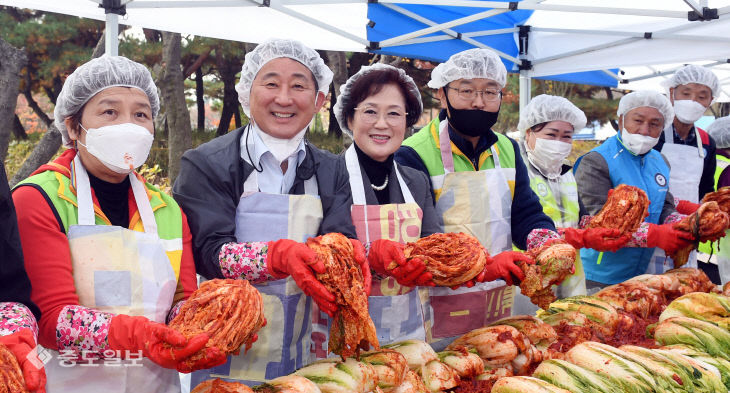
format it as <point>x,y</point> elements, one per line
<point>694,74</point>
<point>345,98</point>
<point>546,108</point>
<point>96,75</point>
<point>719,130</point>
<point>648,98</point>
<point>274,49</point>
<point>469,64</point>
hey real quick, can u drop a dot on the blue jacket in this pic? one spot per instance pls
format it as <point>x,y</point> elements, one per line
<point>650,173</point>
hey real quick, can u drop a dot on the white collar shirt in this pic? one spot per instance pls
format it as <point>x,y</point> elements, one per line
<point>271,179</point>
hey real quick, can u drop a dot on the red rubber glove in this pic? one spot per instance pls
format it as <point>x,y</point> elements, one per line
<point>159,343</point>
<point>22,345</point>
<point>599,239</point>
<point>213,357</point>
<point>386,258</point>
<point>667,238</point>
<point>504,266</point>
<point>687,207</point>
<point>289,258</point>
<point>362,260</point>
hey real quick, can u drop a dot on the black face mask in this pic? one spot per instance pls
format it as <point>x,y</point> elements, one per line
<point>471,122</point>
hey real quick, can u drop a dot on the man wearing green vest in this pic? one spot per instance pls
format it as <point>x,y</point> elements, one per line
<point>480,185</point>
<point>719,130</point>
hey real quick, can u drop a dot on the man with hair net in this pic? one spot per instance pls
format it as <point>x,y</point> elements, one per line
<point>689,150</point>
<point>481,187</point>
<point>719,131</point>
<point>108,254</point>
<point>254,195</point>
<point>628,158</point>
<point>547,125</point>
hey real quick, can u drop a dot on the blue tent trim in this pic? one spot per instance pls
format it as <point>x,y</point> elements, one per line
<point>389,24</point>
<point>596,78</point>
<point>386,23</point>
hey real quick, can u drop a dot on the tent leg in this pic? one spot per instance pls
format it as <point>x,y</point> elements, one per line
<point>111,41</point>
<point>525,89</point>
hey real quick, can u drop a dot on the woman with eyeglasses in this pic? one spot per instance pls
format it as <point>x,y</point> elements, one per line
<point>392,205</point>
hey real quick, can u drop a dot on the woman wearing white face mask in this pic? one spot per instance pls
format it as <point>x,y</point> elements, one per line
<point>547,125</point>
<point>109,256</point>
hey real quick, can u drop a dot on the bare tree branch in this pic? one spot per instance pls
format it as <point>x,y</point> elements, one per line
<point>13,60</point>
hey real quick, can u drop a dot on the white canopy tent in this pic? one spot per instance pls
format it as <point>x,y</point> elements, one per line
<point>563,37</point>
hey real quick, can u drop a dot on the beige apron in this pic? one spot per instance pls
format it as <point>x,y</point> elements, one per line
<point>396,310</point>
<point>284,343</point>
<point>119,271</point>
<point>686,164</point>
<point>478,203</point>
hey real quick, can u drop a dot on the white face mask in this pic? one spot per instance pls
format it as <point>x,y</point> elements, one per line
<point>637,143</point>
<point>548,156</point>
<point>120,147</point>
<point>688,111</point>
<point>281,148</point>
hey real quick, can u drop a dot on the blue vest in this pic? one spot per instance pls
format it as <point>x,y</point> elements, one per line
<point>648,172</point>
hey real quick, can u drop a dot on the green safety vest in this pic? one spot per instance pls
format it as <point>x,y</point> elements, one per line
<point>707,247</point>
<point>426,143</point>
<point>168,216</point>
<point>564,210</point>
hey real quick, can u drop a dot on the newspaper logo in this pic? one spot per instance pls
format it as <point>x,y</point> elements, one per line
<point>39,356</point>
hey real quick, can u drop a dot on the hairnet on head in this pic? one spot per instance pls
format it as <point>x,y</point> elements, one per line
<point>648,98</point>
<point>719,130</point>
<point>694,74</point>
<point>469,64</point>
<point>546,108</point>
<point>96,75</point>
<point>274,49</point>
<point>345,99</point>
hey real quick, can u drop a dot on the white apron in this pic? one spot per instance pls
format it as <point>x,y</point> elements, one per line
<point>396,310</point>
<point>119,271</point>
<point>478,203</point>
<point>284,343</point>
<point>686,164</point>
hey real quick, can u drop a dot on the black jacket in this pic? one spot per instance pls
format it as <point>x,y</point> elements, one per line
<point>15,283</point>
<point>420,187</point>
<point>210,185</point>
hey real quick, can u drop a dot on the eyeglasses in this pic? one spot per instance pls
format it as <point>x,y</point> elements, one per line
<point>470,94</point>
<point>392,117</point>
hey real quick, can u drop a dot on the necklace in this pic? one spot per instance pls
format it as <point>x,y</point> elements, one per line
<point>380,188</point>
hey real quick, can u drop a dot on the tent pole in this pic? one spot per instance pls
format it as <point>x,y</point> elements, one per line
<point>112,9</point>
<point>525,89</point>
<point>111,41</point>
